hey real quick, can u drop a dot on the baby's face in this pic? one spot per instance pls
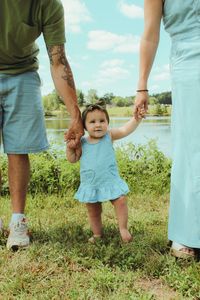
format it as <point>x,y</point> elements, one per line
<point>96,124</point>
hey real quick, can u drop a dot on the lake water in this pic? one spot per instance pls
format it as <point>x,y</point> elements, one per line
<point>157,128</point>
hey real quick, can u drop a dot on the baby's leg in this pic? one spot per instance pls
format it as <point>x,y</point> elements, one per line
<point>121,210</point>
<point>94,214</point>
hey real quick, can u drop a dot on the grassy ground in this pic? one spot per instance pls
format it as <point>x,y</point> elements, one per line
<point>113,111</point>
<point>60,264</point>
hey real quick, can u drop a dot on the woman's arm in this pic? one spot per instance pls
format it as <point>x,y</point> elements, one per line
<point>129,127</point>
<point>153,10</point>
<point>73,155</point>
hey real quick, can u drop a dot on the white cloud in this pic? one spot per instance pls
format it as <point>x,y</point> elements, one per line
<point>162,68</point>
<point>154,88</point>
<point>131,10</point>
<point>111,71</point>
<point>104,40</point>
<point>112,63</point>
<point>86,84</point>
<point>85,57</point>
<point>76,13</point>
<point>162,76</point>
<point>162,73</point>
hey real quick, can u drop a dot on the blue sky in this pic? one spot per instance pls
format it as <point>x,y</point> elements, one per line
<point>103,48</point>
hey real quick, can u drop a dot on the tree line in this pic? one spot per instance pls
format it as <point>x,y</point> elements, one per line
<point>159,104</point>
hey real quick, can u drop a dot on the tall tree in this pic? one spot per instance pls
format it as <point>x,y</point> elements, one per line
<point>80,97</point>
<point>92,96</point>
<point>108,98</point>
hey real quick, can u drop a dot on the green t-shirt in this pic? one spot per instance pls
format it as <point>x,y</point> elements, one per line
<point>21,23</point>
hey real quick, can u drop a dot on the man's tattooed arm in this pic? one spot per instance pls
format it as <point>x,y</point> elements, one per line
<point>64,83</point>
<point>57,57</point>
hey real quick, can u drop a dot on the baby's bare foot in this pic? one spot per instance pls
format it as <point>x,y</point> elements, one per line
<point>94,239</point>
<point>125,235</point>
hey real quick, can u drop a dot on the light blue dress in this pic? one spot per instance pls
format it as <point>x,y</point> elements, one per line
<point>182,21</point>
<point>100,180</point>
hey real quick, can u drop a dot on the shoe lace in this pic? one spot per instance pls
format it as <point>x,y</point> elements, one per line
<point>20,226</point>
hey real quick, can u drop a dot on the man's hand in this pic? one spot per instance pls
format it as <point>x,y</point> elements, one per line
<point>141,103</point>
<point>74,134</point>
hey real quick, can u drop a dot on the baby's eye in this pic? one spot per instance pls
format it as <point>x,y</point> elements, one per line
<point>102,121</point>
<point>92,121</point>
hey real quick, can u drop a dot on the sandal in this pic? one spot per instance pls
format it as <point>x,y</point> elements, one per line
<point>181,251</point>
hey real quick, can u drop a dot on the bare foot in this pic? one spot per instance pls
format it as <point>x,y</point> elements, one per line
<point>125,235</point>
<point>94,239</point>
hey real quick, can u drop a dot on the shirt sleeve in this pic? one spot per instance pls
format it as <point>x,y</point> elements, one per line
<point>53,24</point>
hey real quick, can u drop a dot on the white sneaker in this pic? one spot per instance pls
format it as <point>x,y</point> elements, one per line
<point>18,236</point>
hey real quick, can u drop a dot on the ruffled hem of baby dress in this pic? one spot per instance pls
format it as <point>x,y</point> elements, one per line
<point>88,194</point>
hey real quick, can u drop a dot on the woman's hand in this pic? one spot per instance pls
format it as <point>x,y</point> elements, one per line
<point>141,104</point>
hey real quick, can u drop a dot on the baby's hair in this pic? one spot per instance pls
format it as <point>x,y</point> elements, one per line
<point>99,105</point>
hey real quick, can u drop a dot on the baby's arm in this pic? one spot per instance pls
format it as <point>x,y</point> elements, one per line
<point>73,155</point>
<point>126,129</point>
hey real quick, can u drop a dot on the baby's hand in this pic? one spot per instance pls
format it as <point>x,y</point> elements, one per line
<point>73,154</point>
<point>141,113</point>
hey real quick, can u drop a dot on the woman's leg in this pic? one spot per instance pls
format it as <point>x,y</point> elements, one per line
<point>184,212</point>
<point>121,210</point>
<point>94,214</point>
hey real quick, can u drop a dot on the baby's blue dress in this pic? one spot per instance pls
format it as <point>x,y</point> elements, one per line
<point>100,179</point>
<point>182,21</point>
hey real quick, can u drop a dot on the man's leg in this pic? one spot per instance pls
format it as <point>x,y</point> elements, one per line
<point>23,131</point>
<point>18,174</point>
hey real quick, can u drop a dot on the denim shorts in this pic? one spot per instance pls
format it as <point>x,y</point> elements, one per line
<point>21,114</point>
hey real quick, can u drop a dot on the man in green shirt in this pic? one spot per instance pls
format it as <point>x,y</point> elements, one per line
<point>21,113</point>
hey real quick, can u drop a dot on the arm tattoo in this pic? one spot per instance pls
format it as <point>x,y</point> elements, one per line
<point>57,53</point>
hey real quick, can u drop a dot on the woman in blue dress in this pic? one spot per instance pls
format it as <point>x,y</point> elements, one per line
<point>182,21</point>
<point>100,179</point>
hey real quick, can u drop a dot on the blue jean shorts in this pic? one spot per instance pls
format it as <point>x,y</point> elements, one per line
<point>21,114</point>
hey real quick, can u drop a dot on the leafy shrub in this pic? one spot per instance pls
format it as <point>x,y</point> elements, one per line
<point>49,174</point>
<point>145,169</point>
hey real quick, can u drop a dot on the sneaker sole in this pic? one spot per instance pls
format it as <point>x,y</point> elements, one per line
<point>15,248</point>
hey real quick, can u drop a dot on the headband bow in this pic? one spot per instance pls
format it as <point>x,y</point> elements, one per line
<point>101,103</point>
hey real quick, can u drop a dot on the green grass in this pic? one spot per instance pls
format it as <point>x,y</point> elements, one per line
<point>61,264</point>
<point>114,111</point>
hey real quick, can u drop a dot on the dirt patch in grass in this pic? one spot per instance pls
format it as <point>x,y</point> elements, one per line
<point>158,289</point>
